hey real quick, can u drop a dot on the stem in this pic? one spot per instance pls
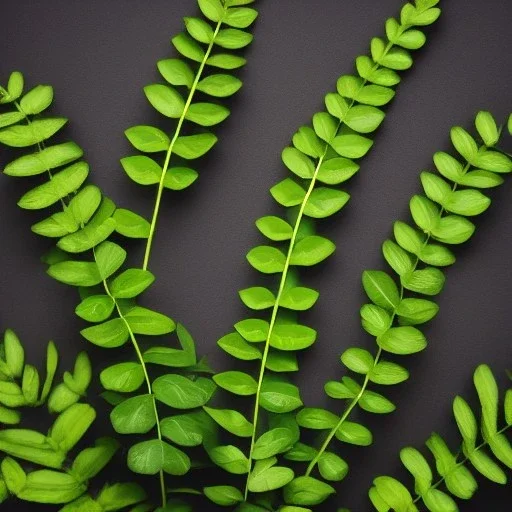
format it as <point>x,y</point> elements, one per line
<point>275,310</point>
<point>148,383</point>
<point>177,132</point>
<point>463,461</point>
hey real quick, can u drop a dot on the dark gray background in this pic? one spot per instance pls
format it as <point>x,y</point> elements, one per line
<point>99,55</point>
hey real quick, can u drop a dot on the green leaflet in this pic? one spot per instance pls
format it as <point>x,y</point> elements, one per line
<point>321,157</point>
<point>393,319</point>
<point>456,477</point>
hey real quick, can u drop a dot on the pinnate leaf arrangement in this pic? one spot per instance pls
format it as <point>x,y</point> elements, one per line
<point>167,406</point>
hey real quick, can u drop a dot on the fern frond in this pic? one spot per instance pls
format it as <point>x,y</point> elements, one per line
<point>322,157</point>
<point>222,27</point>
<point>484,446</point>
<point>415,255</point>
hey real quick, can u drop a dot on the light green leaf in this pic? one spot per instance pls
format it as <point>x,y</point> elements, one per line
<point>363,118</point>
<point>273,442</point>
<point>194,146</point>
<point>176,72</point>
<point>332,467</point>
<point>311,250</point>
<point>109,258</point>
<point>257,297</point>
<point>59,186</point>
<point>231,459</point>
<point>336,170</point>
<point>274,228</point>
<point>402,340</point>
<point>233,39</point>
<point>416,311</point>
<point>236,346</point>
<point>374,319</point>
<point>111,334</point>
<point>387,373</point>
<point>417,465</point>
<point>206,114</point>
<point>351,146</point>
<point>425,213</point>
<point>398,259</point>
<point>226,61</point>
<point>324,202</point>
<point>269,479</point>
<point>199,29</point>
<point>292,337</point>
<point>428,281</point>
<point>375,403</point>
<point>232,421</point>
<point>135,415</point>
<point>308,491</point>
<point>90,461</point>
<point>148,139</point>
<point>240,17</point>
<point>150,457</point>
<point>325,126</point>
<point>381,289</point>
<point>47,159</point>
<point>10,118</point>
<point>463,143</point>
<point>188,47</point>
<point>180,392</point>
<point>96,308</point>
<point>142,169</point>
<point>253,329</point>
<point>123,377</point>
<point>224,495</point>
<point>288,193</point>
<point>130,224</point>
<point>467,202</point>
<point>24,135</point>
<point>266,259</point>
<point>212,9</point>
<point>131,283</point>
<point>236,382</point>
<point>37,100</point>
<point>219,85</point>
<point>298,298</point>
<point>299,163</point>
<point>358,360</point>
<point>306,141</point>
<point>179,178</point>
<point>279,396</point>
<point>71,425</point>
<point>316,419</point>
<point>14,353</point>
<point>76,273</point>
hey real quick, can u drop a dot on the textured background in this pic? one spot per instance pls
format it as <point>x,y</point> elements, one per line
<point>99,55</point>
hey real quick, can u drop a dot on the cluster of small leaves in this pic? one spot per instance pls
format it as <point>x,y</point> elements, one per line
<point>185,78</point>
<point>109,305</point>
<point>484,455</point>
<point>321,158</point>
<point>415,255</point>
<point>85,217</point>
<point>63,479</point>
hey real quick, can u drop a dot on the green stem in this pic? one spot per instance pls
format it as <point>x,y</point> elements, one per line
<point>177,132</point>
<point>148,384</point>
<point>275,310</point>
<point>462,462</point>
<point>356,399</point>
